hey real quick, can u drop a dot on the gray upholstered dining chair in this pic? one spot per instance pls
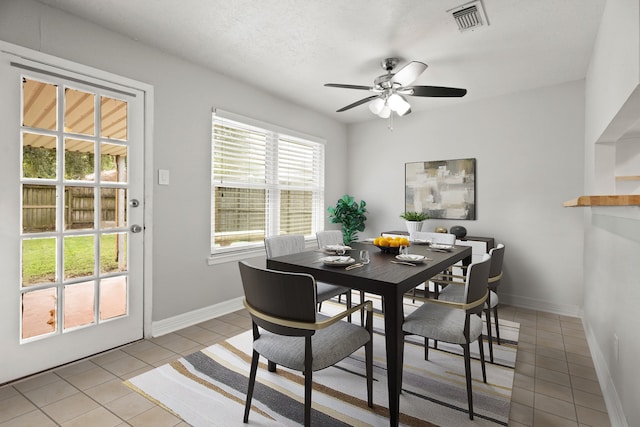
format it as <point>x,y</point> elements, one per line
<point>294,243</point>
<point>455,322</point>
<point>329,237</point>
<point>288,331</point>
<point>440,238</point>
<point>454,292</point>
<point>332,237</point>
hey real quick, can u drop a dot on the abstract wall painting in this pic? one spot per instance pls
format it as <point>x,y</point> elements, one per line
<point>444,189</point>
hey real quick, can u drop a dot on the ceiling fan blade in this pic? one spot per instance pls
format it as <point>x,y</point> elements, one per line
<point>348,86</point>
<point>409,73</point>
<point>435,91</point>
<point>355,104</point>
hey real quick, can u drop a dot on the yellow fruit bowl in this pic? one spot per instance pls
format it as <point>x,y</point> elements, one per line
<point>390,245</point>
<point>389,249</point>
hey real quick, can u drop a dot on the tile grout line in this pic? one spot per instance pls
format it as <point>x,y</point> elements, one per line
<point>37,407</point>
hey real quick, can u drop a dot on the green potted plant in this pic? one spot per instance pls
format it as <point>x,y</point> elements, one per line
<point>414,220</point>
<point>350,214</point>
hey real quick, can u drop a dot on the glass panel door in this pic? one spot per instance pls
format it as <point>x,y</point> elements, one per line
<point>74,211</point>
<point>78,149</point>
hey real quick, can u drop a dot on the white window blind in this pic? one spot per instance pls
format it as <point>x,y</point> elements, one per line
<point>264,182</point>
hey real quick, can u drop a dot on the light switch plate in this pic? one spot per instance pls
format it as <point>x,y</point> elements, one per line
<point>163,177</point>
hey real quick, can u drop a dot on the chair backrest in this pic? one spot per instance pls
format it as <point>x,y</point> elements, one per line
<point>476,286</point>
<point>442,238</point>
<point>495,274</point>
<point>283,245</point>
<point>478,248</point>
<point>279,294</point>
<point>329,237</point>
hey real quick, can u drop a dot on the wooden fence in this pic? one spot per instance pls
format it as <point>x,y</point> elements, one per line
<point>39,207</point>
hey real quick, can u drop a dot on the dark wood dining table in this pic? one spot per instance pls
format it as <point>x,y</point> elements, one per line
<point>381,277</point>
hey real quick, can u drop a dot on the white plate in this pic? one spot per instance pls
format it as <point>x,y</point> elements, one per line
<point>333,248</point>
<point>337,260</point>
<point>441,247</point>
<point>410,258</point>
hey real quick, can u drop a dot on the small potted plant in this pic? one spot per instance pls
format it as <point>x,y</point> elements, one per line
<point>414,220</point>
<point>351,215</point>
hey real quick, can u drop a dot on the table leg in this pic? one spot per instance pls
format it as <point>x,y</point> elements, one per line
<point>394,338</point>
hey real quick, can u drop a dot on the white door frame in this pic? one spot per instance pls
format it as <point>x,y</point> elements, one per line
<point>148,91</point>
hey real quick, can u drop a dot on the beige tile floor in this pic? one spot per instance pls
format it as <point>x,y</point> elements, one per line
<point>555,382</point>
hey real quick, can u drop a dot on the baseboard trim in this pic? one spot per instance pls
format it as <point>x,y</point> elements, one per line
<point>609,393</point>
<point>181,321</point>
<point>172,324</point>
<point>541,305</point>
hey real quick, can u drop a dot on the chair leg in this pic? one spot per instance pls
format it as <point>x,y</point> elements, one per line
<point>271,366</point>
<point>467,371</point>
<point>484,369</point>
<point>488,317</point>
<point>348,294</point>
<point>495,316</point>
<point>368,357</point>
<point>308,381</point>
<point>436,294</point>
<point>252,382</point>
<point>426,349</point>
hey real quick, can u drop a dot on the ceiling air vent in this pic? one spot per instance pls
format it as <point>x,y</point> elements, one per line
<point>470,16</point>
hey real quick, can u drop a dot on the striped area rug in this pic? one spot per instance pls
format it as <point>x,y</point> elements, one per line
<point>207,388</point>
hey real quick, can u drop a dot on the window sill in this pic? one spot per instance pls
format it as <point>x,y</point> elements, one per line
<point>224,258</point>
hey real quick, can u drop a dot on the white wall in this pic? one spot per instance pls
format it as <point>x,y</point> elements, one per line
<point>612,234</point>
<point>529,151</point>
<point>184,96</point>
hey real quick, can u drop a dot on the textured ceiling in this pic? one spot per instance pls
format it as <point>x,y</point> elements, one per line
<point>290,48</point>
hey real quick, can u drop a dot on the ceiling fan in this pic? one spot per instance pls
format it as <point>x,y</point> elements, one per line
<point>390,89</point>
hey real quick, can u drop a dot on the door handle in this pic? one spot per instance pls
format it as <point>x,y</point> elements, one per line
<point>135,228</point>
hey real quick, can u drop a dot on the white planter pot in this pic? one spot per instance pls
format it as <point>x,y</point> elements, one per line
<point>413,226</point>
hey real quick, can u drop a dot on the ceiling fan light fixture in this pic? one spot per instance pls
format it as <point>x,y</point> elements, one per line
<point>404,111</point>
<point>376,105</point>
<point>386,112</point>
<point>398,104</point>
<point>389,90</point>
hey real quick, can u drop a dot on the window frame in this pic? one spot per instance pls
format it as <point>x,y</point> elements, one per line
<point>272,185</point>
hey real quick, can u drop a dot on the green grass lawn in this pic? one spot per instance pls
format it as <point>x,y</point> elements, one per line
<point>39,258</point>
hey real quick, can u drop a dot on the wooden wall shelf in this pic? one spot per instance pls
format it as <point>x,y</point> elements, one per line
<point>609,200</point>
<point>628,178</point>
